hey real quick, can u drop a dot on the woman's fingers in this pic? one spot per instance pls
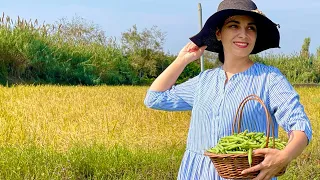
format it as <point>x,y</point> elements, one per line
<point>269,166</point>
<point>255,168</point>
<point>258,167</point>
<point>186,47</point>
<point>203,48</point>
<point>262,151</point>
<point>191,52</point>
<point>191,47</point>
<point>261,176</point>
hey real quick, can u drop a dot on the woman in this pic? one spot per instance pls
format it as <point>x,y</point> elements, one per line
<point>235,31</point>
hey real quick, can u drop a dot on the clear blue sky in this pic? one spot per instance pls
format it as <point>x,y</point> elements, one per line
<point>178,18</point>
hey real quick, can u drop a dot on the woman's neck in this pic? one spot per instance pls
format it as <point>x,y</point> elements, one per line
<point>236,65</point>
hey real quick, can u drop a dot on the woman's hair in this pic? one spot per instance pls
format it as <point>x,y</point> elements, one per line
<point>221,53</point>
<point>221,56</point>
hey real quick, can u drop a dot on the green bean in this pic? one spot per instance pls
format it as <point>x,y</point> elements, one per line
<point>255,146</point>
<point>250,156</point>
<point>236,152</point>
<point>263,144</point>
<point>245,142</point>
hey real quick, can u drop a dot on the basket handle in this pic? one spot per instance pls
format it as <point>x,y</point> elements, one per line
<point>238,117</point>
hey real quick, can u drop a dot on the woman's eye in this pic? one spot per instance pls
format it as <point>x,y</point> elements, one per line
<point>233,26</point>
<point>252,28</point>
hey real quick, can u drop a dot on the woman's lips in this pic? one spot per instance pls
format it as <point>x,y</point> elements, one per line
<point>241,44</point>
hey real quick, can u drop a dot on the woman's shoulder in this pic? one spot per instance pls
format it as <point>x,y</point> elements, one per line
<point>212,70</point>
<point>271,73</point>
<point>209,72</point>
<point>268,69</point>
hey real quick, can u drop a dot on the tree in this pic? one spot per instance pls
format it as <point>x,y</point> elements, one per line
<point>79,30</point>
<point>143,49</point>
<point>305,48</point>
<point>211,60</point>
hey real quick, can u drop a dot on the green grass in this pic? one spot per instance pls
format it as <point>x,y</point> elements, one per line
<point>95,162</point>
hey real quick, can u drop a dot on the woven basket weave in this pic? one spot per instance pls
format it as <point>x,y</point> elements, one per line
<point>230,166</point>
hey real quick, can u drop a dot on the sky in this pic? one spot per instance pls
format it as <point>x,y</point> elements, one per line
<point>179,19</point>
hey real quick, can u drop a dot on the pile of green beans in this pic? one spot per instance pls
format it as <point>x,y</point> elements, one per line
<point>244,143</point>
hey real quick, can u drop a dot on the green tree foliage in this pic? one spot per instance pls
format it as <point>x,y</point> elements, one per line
<point>78,30</point>
<point>305,48</point>
<point>144,50</point>
<point>77,51</point>
<point>211,60</point>
<point>297,69</point>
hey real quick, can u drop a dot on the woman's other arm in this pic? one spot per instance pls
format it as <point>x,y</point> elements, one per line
<point>170,75</point>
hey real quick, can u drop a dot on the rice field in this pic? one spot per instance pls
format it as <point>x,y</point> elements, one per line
<point>106,132</point>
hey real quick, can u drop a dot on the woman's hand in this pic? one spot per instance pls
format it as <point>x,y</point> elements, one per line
<point>190,52</point>
<point>273,162</point>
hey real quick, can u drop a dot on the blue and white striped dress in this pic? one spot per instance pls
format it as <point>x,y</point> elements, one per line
<point>214,103</point>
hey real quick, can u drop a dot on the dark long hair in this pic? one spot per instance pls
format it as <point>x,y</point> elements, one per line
<point>221,53</point>
<point>221,56</point>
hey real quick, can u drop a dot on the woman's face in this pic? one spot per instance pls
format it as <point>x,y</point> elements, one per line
<point>238,35</point>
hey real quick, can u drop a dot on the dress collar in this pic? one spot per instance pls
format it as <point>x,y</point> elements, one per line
<point>222,74</point>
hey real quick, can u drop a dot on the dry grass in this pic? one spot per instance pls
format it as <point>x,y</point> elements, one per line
<point>307,165</point>
<point>60,117</point>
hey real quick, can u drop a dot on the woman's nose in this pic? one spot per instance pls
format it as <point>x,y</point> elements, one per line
<point>242,33</point>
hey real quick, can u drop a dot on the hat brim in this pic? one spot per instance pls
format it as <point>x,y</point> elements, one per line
<point>268,35</point>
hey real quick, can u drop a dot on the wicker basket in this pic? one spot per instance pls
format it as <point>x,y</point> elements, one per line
<point>230,166</point>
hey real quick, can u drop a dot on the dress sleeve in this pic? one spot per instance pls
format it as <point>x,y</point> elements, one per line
<point>285,105</point>
<point>178,98</point>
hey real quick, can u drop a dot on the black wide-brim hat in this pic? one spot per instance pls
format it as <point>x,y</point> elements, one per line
<point>267,31</point>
